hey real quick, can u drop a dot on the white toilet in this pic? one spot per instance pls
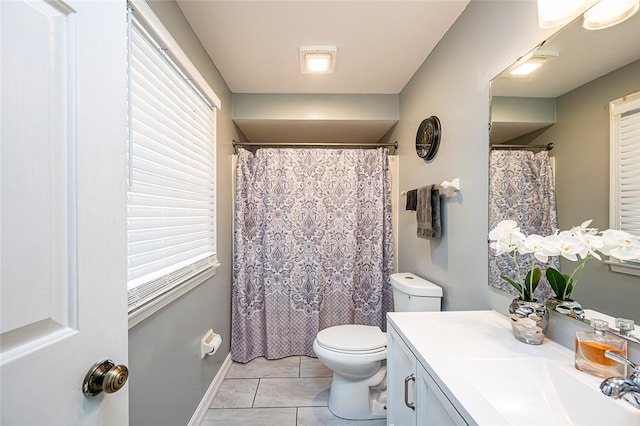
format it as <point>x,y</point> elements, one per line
<point>357,354</point>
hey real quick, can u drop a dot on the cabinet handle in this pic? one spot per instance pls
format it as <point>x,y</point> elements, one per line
<point>406,391</point>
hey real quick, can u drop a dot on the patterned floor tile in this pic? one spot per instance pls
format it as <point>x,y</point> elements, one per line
<point>236,393</point>
<point>262,367</point>
<point>312,367</point>
<point>293,392</point>
<point>250,417</point>
<point>321,416</point>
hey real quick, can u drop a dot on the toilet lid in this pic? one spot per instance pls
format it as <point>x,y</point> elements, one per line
<point>352,338</point>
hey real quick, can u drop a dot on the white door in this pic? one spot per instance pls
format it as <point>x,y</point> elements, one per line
<point>62,211</point>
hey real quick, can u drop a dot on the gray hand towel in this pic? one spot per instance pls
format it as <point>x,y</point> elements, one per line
<point>428,212</point>
<point>412,199</point>
<point>436,225</point>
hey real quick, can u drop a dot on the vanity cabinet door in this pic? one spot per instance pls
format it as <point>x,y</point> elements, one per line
<point>401,381</point>
<point>433,407</point>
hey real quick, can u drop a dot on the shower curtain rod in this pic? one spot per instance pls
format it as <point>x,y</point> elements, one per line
<point>318,144</point>
<point>547,147</point>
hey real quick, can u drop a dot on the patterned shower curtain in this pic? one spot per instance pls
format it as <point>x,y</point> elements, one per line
<point>521,188</point>
<point>312,247</point>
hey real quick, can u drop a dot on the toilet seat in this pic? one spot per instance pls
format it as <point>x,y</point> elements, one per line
<point>353,339</point>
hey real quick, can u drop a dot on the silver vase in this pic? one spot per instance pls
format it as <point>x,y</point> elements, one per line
<point>529,321</point>
<point>568,307</point>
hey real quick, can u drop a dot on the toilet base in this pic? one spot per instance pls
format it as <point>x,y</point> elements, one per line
<point>359,400</point>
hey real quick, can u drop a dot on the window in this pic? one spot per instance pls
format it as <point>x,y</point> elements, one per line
<point>625,163</point>
<point>171,166</point>
<point>624,204</point>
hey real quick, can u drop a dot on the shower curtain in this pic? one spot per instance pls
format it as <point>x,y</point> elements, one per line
<point>521,188</point>
<point>312,247</point>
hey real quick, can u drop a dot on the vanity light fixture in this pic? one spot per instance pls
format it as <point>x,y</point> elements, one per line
<point>553,13</point>
<point>598,14</point>
<point>317,59</point>
<point>607,13</point>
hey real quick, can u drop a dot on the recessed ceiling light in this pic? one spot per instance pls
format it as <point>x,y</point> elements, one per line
<point>526,67</point>
<point>531,62</point>
<point>317,59</point>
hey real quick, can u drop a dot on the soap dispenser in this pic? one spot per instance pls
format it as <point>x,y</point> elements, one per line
<point>590,347</point>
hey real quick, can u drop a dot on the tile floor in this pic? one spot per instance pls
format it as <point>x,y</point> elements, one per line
<point>291,391</point>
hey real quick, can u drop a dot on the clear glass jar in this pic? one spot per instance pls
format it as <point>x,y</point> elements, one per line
<point>590,346</point>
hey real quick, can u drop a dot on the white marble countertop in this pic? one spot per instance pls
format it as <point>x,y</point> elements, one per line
<point>460,348</point>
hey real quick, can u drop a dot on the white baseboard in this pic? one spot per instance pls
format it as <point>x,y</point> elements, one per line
<point>211,392</point>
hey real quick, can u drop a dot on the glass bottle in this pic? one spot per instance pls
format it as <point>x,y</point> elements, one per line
<point>625,326</point>
<point>590,347</point>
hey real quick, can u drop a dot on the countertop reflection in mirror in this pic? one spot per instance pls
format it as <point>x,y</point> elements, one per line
<point>564,102</point>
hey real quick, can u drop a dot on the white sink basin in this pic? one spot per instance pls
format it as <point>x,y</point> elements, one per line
<point>530,391</point>
<point>492,379</point>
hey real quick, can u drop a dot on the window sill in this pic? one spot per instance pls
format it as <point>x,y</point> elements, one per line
<point>624,267</point>
<point>151,307</point>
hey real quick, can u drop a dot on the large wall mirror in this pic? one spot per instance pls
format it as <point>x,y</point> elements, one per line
<point>565,103</point>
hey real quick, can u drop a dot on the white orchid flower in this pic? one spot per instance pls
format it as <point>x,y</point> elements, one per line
<point>570,246</point>
<point>626,252</point>
<point>535,244</point>
<point>620,244</point>
<point>552,245</point>
<point>584,229</point>
<point>616,238</point>
<point>500,247</point>
<point>506,237</point>
<point>578,243</point>
<point>503,228</point>
<point>592,244</point>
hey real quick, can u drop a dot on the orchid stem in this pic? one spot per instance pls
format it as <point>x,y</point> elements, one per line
<point>575,276</point>
<point>518,274</point>
<point>533,265</point>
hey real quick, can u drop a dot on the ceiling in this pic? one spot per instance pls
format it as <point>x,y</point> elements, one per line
<point>583,56</point>
<point>380,44</point>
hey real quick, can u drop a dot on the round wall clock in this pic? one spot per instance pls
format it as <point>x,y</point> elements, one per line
<point>428,138</point>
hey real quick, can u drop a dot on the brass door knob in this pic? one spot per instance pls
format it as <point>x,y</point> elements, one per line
<point>104,376</point>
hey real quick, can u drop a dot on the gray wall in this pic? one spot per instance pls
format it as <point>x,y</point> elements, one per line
<point>168,378</point>
<point>322,107</point>
<point>581,150</point>
<point>322,118</point>
<point>453,84</point>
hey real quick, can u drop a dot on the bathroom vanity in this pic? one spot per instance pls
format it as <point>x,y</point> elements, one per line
<point>466,368</point>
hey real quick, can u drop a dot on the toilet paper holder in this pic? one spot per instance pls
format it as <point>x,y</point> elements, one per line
<point>210,343</point>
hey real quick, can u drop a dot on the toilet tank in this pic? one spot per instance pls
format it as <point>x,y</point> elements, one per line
<point>414,294</point>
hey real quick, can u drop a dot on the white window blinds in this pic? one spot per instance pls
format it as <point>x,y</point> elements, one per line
<point>171,195</point>
<point>625,163</point>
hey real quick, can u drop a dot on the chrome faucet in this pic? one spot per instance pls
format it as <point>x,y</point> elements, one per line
<point>622,387</point>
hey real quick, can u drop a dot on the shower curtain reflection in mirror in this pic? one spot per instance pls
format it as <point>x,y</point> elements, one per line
<point>521,188</point>
<point>312,247</point>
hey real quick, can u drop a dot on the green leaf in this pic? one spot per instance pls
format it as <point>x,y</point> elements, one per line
<point>514,284</point>
<point>562,284</point>
<point>531,282</point>
<point>557,281</point>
